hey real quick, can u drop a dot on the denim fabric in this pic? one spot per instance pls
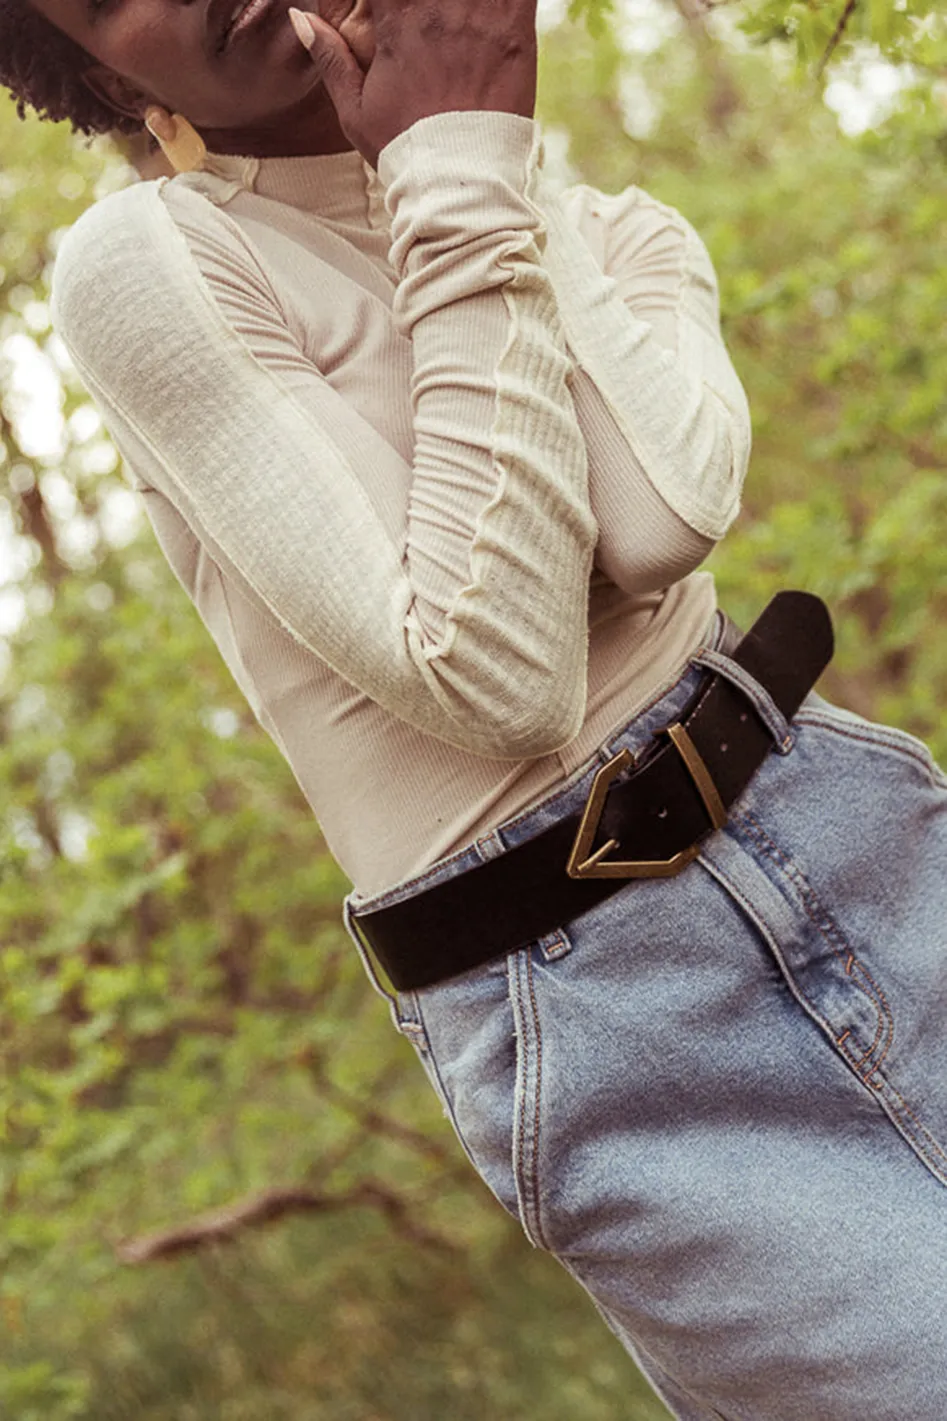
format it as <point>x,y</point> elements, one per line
<point>721,1100</point>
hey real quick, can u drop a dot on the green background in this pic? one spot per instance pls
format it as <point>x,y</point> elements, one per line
<point>186,1039</point>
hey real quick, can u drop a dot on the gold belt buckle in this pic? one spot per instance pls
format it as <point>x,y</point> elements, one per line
<point>583,864</point>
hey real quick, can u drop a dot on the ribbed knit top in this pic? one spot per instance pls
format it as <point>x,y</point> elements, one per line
<point>434,452</point>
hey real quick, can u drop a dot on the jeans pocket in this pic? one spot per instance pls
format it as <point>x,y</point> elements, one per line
<point>528,1115</point>
<point>468,1046</point>
<point>406,1014</point>
<point>839,865</point>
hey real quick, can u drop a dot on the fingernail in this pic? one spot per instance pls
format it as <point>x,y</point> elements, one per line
<point>160,124</point>
<point>302,24</point>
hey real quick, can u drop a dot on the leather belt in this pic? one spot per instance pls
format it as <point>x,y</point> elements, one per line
<point>645,817</point>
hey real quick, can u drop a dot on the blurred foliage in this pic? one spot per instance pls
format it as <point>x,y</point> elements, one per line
<point>183,1024</point>
<point>813,35</point>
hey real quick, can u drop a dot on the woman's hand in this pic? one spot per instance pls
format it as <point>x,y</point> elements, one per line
<point>431,56</point>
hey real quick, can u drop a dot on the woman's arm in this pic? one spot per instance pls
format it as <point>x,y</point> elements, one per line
<point>665,416</point>
<point>643,323</point>
<point>662,410</point>
<point>476,631</point>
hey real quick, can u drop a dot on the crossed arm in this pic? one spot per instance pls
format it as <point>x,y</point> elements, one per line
<point>463,610</point>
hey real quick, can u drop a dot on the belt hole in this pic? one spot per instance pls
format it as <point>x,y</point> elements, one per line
<point>724,747</point>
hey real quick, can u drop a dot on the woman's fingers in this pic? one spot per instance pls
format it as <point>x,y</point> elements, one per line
<point>427,57</point>
<point>522,11</point>
<point>333,11</point>
<point>337,66</point>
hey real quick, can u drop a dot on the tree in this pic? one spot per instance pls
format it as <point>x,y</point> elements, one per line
<point>183,1027</point>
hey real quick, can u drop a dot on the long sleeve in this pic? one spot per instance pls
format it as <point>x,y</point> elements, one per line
<point>666,418</point>
<point>474,631</point>
<point>662,410</point>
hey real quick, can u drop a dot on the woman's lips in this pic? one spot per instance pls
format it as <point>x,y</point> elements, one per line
<point>352,21</point>
<point>255,13</point>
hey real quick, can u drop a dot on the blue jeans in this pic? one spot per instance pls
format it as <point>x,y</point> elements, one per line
<point>720,1100</point>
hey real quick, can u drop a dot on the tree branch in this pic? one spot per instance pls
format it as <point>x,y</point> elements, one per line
<point>223,1226</point>
<point>37,525</point>
<point>373,1122</point>
<point>836,39</point>
<point>921,456</point>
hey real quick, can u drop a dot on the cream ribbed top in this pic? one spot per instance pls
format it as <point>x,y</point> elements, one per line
<point>383,424</point>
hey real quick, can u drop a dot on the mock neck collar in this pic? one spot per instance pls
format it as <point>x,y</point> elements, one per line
<point>339,187</point>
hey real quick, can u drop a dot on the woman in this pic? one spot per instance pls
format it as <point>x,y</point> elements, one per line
<point>436,453</point>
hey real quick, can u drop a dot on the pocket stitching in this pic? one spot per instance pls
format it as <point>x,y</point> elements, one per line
<point>889,1098</point>
<point>429,1063</point>
<point>932,1145</point>
<point>833,935</point>
<point>528,1084</point>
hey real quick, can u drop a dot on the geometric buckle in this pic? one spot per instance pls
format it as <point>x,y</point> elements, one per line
<point>583,864</point>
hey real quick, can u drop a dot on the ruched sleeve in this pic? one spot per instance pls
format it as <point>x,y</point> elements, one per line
<point>665,415</point>
<point>571,397</point>
<point>473,629</point>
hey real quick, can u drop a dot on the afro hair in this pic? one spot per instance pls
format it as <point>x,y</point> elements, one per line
<point>43,68</point>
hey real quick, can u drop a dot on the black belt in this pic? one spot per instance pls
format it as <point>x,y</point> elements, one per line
<point>645,817</point>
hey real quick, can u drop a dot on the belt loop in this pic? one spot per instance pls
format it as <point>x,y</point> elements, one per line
<point>491,846</point>
<point>763,703</point>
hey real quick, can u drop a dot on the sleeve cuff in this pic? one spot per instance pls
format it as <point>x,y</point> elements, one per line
<point>464,143</point>
<point>462,181</point>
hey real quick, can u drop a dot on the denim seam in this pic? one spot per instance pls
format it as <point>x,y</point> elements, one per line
<point>534,1173</point>
<point>441,1089</point>
<point>646,1362</point>
<point>521,1066</point>
<point>833,935</point>
<point>880,742</point>
<point>907,1121</point>
<point>932,1144</point>
<point>772,939</point>
<point>528,1072</point>
<point>400,891</point>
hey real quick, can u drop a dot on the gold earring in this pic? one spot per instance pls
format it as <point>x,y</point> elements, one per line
<point>180,142</point>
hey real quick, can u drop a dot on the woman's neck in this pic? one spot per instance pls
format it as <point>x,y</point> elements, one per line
<point>310,129</point>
